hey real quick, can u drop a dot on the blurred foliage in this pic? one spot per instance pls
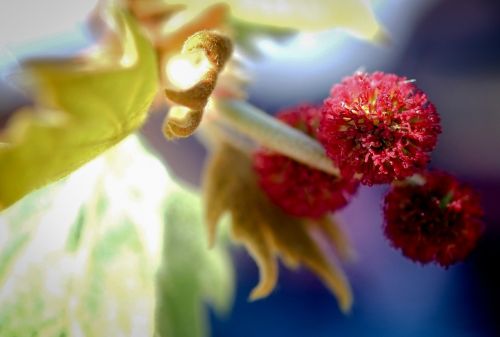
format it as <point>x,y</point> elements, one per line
<point>81,256</point>
<point>190,271</point>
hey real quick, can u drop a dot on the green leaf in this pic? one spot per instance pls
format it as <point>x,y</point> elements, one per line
<point>83,106</point>
<point>190,272</point>
<point>85,261</point>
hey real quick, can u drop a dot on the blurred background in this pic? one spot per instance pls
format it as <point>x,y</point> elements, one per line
<point>452,49</point>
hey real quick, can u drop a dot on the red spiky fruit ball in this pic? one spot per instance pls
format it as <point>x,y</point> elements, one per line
<point>437,220</point>
<point>297,188</point>
<point>378,126</point>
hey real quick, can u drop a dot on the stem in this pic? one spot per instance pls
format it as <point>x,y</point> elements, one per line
<point>274,134</point>
<point>214,132</point>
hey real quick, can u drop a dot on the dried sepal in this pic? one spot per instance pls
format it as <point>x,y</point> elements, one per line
<point>230,185</point>
<point>217,49</point>
<point>329,227</point>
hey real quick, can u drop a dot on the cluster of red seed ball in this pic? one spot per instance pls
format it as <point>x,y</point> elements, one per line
<point>378,128</point>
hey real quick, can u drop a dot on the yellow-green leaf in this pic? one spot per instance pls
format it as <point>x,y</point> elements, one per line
<point>312,15</point>
<point>83,106</point>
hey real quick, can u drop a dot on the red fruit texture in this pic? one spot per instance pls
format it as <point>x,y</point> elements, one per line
<point>379,126</point>
<point>296,188</point>
<point>438,221</point>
